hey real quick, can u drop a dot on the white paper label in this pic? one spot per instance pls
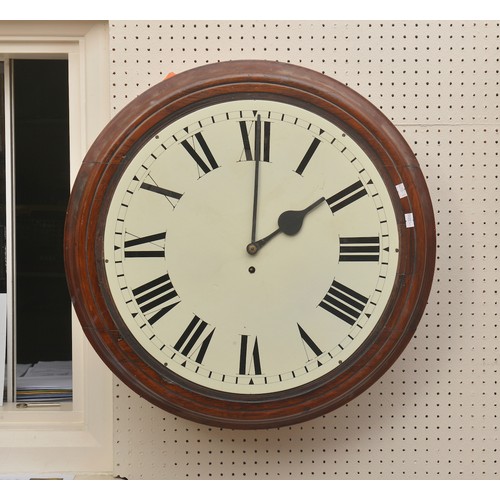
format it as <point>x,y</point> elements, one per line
<point>409,220</point>
<point>401,190</point>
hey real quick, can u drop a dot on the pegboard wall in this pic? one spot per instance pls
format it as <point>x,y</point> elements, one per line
<point>435,413</point>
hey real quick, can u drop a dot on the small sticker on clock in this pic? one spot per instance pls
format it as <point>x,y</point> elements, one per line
<point>401,190</point>
<point>409,220</point>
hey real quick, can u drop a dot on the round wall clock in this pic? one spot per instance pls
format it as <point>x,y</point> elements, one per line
<point>249,244</point>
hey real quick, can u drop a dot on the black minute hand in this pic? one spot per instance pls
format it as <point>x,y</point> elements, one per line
<point>256,178</point>
<point>289,222</point>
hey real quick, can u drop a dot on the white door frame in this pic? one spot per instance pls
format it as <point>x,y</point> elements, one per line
<point>75,437</point>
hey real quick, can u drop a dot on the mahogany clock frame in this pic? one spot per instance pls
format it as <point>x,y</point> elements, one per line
<point>158,106</point>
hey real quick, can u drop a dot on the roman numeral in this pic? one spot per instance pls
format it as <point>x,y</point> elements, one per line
<point>195,340</point>
<point>157,293</point>
<point>307,157</point>
<point>147,251</point>
<point>344,303</point>
<point>346,196</point>
<point>309,344</point>
<point>246,141</point>
<point>153,188</point>
<point>208,164</point>
<point>248,144</point>
<point>249,357</point>
<point>360,249</point>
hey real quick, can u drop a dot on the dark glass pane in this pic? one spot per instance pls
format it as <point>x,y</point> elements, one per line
<point>41,163</point>
<point>3,267</point>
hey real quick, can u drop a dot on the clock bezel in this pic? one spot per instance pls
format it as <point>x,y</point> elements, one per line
<point>162,104</point>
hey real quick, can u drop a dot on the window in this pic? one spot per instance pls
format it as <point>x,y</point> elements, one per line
<point>75,436</point>
<point>40,178</point>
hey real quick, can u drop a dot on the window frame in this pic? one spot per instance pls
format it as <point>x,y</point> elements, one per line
<point>73,437</point>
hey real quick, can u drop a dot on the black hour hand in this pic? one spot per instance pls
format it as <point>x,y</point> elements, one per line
<point>289,222</point>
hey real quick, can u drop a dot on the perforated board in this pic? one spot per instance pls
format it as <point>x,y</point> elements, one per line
<point>434,414</point>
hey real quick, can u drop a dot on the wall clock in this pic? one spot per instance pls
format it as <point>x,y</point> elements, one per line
<point>249,244</point>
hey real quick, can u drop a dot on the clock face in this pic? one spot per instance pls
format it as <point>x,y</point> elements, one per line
<point>197,299</point>
<point>249,244</point>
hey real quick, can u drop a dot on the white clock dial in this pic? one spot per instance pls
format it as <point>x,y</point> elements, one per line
<point>177,232</point>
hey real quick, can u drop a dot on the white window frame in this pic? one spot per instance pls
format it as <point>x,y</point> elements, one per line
<point>74,437</point>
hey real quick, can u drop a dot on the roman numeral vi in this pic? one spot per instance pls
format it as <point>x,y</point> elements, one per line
<point>249,356</point>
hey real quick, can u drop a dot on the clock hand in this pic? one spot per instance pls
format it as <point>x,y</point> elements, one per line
<point>289,222</point>
<point>256,178</point>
